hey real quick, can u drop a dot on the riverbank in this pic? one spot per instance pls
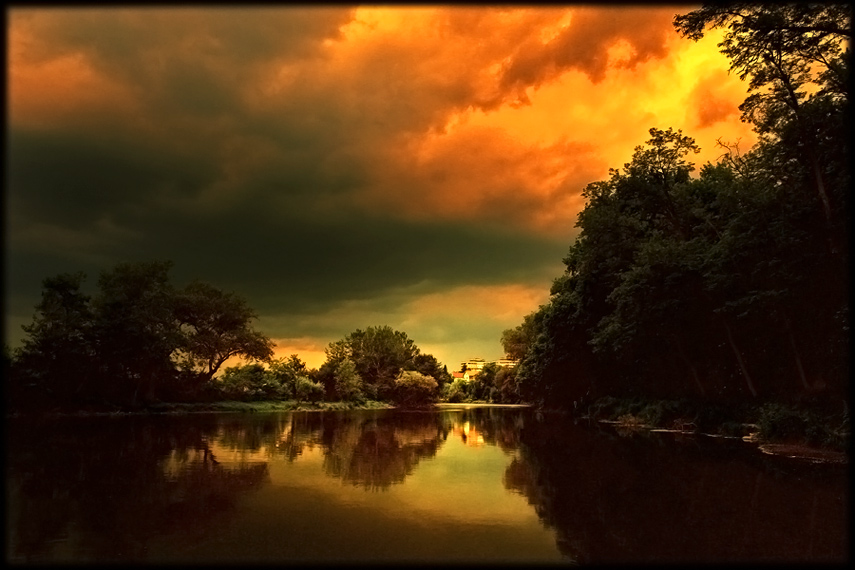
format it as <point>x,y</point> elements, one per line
<point>228,406</point>
<point>804,431</point>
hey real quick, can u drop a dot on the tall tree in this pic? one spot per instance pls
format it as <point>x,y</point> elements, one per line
<point>795,57</point>
<point>57,358</point>
<point>215,326</point>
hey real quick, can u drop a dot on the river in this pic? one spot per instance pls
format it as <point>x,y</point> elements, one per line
<point>458,484</point>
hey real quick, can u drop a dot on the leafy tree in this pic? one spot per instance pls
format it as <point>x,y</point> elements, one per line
<point>428,365</point>
<point>249,382</point>
<point>215,326</point>
<point>294,377</point>
<point>796,59</point>
<point>699,286</point>
<point>457,391</point>
<point>414,389</point>
<point>135,328</point>
<point>348,382</point>
<point>122,346</point>
<point>516,341</point>
<point>379,354</point>
<point>57,359</point>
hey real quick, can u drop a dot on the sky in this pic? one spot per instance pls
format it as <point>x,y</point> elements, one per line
<point>339,167</point>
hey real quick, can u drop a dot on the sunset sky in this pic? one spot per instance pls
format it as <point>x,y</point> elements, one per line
<point>339,167</point>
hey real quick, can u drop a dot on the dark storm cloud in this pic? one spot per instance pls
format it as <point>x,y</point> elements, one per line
<point>330,165</point>
<point>275,240</point>
<point>584,45</point>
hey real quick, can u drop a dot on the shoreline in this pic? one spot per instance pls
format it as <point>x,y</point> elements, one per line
<point>799,450</point>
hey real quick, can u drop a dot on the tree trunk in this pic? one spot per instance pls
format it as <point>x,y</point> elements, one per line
<point>682,354</point>
<point>796,354</point>
<point>738,355</point>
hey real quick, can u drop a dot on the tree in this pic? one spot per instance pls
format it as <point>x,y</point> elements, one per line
<point>516,341</point>
<point>294,377</point>
<point>136,330</point>
<point>796,59</point>
<point>215,326</point>
<point>378,355</point>
<point>414,389</point>
<point>57,359</point>
<point>348,383</point>
<point>123,345</point>
<point>249,382</point>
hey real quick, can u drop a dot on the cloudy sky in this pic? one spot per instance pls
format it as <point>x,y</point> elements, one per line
<point>339,167</point>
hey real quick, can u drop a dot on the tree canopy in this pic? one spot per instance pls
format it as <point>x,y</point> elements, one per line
<point>137,339</point>
<point>731,284</point>
<point>368,363</point>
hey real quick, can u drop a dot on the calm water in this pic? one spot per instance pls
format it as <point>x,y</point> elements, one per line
<point>459,484</point>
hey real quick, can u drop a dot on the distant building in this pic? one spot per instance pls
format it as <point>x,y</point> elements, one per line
<point>460,376</point>
<point>475,365</point>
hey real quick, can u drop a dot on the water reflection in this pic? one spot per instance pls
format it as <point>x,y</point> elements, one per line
<point>274,487</point>
<point>99,490</point>
<point>613,499</point>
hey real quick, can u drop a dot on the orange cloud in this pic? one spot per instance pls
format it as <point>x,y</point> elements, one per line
<point>62,88</point>
<point>482,173</point>
<point>713,99</point>
<point>585,43</point>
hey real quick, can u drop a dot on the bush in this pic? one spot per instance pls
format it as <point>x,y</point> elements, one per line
<point>778,422</point>
<point>456,392</point>
<point>249,383</point>
<point>414,389</point>
<point>307,391</point>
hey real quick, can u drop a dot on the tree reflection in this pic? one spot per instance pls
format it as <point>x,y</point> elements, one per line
<point>378,452</point>
<point>627,500</point>
<point>101,490</point>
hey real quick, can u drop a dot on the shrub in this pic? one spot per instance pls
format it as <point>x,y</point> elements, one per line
<point>456,392</point>
<point>248,383</point>
<point>306,390</point>
<point>777,422</point>
<point>414,389</point>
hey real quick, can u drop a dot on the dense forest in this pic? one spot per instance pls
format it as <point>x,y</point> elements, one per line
<point>732,284</point>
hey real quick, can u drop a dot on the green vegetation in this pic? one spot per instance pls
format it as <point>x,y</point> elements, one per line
<point>728,288</point>
<point>141,342</point>
<point>493,384</point>
<point>380,363</point>
<point>807,422</point>
<point>138,340</point>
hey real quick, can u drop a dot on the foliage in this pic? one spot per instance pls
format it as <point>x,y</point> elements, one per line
<point>138,339</point>
<point>414,389</point>
<point>778,422</point>
<point>295,378</point>
<point>216,326</point>
<point>729,285</point>
<point>248,383</point>
<point>305,390</point>
<point>377,355</point>
<point>348,382</point>
<point>456,392</point>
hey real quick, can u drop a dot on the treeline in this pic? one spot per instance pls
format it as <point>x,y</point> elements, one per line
<point>140,340</point>
<point>732,285</point>
<point>374,364</point>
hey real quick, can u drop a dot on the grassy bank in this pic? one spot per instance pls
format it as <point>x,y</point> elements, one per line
<point>210,407</point>
<point>771,422</point>
<point>263,406</point>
